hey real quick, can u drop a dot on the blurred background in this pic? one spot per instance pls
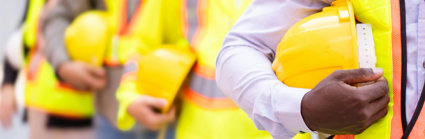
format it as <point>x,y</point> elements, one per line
<point>83,75</point>
<point>11,13</point>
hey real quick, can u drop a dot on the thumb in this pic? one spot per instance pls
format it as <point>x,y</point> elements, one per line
<point>361,75</point>
<point>155,102</point>
<point>96,77</point>
<point>171,115</point>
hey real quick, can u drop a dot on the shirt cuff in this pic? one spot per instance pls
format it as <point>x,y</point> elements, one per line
<point>288,109</point>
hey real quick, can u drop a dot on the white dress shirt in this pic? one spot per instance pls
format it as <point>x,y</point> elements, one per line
<point>244,70</point>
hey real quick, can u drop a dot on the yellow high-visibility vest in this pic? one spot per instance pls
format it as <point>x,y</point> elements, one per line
<point>385,17</point>
<point>31,21</point>
<point>42,90</point>
<point>145,31</point>
<point>156,24</point>
<point>206,111</point>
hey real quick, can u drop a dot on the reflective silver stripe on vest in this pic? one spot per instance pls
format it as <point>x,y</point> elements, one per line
<point>198,84</point>
<point>130,67</point>
<point>205,86</point>
<point>192,15</point>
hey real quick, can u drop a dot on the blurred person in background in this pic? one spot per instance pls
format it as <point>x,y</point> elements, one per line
<point>158,58</point>
<point>18,47</point>
<point>50,115</point>
<point>13,62</point>
<point>205,111</point>
<point>89,58</point>
<point>51,112</point>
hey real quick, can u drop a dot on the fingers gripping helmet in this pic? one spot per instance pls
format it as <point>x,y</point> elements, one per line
<point>322,43</point>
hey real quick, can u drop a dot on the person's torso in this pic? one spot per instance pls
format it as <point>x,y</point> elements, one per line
<point>406,111</point>
<point>206,111</point>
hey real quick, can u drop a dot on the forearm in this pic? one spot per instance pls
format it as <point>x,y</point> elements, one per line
<point>246,76</point>
<point>57,19</point>
<point>244,71</point>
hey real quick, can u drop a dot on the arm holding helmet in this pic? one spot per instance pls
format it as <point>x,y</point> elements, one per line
<point>80,75</point>
<point>245,74</point>
<point>141,104</point>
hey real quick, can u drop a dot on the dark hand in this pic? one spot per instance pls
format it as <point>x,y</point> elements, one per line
<point>337,106</point>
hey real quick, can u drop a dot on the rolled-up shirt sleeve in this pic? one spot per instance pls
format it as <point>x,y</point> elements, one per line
<point>244,72</point>
<point>54,24</point>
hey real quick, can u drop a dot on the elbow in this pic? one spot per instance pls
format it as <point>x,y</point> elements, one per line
<point>222,57</point>
<point>223,69</point>
<point>219,73</point>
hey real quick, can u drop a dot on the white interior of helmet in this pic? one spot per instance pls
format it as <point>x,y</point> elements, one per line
<point>366,46</point>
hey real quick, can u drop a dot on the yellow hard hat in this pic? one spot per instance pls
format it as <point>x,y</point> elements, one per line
<point>321,43</point>
<point>161,72</point>
<point>86,39</point>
